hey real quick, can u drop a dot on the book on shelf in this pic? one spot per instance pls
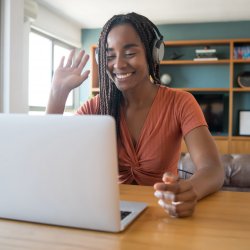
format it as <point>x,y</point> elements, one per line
<point>205,51</point>
<point>206,59</point>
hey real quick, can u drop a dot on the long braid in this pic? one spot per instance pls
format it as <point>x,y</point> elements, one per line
<point>110,96</point>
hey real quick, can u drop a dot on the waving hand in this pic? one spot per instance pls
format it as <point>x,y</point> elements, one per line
<point>66,78</point>
<point>70,76</point>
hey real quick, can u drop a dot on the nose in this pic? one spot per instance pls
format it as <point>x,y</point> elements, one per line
<point>120,62</point>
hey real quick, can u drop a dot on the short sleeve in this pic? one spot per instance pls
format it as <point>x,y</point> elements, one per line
<point>90,107</point>
<point>189,112</point>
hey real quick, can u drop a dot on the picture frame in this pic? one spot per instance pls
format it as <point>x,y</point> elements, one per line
<point>244,122</point>
<point>242,52</point>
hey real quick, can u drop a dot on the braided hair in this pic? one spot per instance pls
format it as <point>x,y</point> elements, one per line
<point>110,96</point>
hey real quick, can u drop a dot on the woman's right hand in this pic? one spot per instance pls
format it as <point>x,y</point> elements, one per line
<point>70,76</point>
<point>66,78</point>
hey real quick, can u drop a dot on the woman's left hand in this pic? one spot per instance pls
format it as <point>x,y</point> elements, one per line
<point>177,197</point>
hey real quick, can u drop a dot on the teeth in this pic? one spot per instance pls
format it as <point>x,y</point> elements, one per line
<point>122,76</point>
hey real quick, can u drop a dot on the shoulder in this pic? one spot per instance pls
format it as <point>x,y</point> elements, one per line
<point>172,91</point>
<point>90,107</point>
<point>182,102</point>
<point>175,95</point>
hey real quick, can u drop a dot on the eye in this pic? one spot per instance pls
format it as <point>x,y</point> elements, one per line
<point>110,57</point>
<point>130,54</point>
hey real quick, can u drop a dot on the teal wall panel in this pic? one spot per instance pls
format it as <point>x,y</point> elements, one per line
<point>199,31</point>
<point>216,30</point>
<point>198,76</point>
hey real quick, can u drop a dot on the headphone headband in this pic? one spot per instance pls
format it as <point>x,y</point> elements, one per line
<point>158,46</point>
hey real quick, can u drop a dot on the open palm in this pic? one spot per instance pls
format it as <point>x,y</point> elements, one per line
<point>70,76</point>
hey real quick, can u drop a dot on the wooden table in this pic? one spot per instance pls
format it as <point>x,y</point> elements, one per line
<point>221,221</point>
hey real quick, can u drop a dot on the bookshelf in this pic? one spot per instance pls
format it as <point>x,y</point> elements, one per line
<point>205,78</point>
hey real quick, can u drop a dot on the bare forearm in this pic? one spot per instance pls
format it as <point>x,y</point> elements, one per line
<point>57,100</point>
<point>209,174</point>
<point>207,180</point>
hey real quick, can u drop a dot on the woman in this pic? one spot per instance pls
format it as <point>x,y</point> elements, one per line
<point>151,119</point>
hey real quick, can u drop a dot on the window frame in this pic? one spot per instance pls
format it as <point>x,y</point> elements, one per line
<point>75,92</point>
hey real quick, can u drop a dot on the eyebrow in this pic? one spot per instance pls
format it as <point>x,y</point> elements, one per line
<point>127,46</point>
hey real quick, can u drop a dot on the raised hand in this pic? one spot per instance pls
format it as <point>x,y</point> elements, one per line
<point>70,76</point>
<point>65,79</point>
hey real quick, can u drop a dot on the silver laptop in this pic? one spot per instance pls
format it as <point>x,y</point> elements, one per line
<point>62,170</point>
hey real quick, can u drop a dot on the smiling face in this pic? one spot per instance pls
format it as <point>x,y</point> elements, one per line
<point>127,64</point>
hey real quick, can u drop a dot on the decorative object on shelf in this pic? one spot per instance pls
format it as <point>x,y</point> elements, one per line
<point>242,52</point>
<point>244,122</point>
<point>244,79</point>
<point>166,79</point>
<point>205,54</point>
<point>176,56</point>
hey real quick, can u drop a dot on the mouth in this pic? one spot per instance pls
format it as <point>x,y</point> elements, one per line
<point>122,76</point>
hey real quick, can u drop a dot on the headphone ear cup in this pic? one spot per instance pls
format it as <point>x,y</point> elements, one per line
<point>158,51</point>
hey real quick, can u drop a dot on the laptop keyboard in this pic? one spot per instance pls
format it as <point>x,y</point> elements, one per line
<point>124,214</point>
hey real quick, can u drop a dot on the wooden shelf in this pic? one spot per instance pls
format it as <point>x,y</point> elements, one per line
<point>246,89</point>
<point>240,138</point>
<point>242,40</point>
<point>226,142</point>
<point>174,62</point>
<point>206,89</point>
<point>196,42</point>
<point>241,60</point>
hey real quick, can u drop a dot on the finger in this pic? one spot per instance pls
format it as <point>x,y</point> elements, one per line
<point>165,187</point>
<point>169,178</point>
<point>61,62</point>
<point>165,195</point>
<point>70,58</point>
<point>170,197</point>
<point>189,195</point>
<point>176,188</point>
<point>178,209</point>
<point>170,209</point>
<point>83,62</point>
<point>185,209</point>
<point>78,59</point>
<point>85,75</point>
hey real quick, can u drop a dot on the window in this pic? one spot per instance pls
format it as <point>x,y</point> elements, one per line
<point>45,54</point>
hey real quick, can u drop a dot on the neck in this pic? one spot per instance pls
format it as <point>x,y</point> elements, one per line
<point>140,96</point>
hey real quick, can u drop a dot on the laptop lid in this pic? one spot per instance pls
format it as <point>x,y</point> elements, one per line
<point>60,170</point>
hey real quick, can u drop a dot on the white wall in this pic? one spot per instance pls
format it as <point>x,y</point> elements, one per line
<point>1,50</point>
<point>15,48</point>
<point>57,27</point>
<point>14,89</point>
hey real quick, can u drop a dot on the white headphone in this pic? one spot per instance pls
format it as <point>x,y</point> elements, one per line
<point>158,46</point>
<point>158,50</point>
